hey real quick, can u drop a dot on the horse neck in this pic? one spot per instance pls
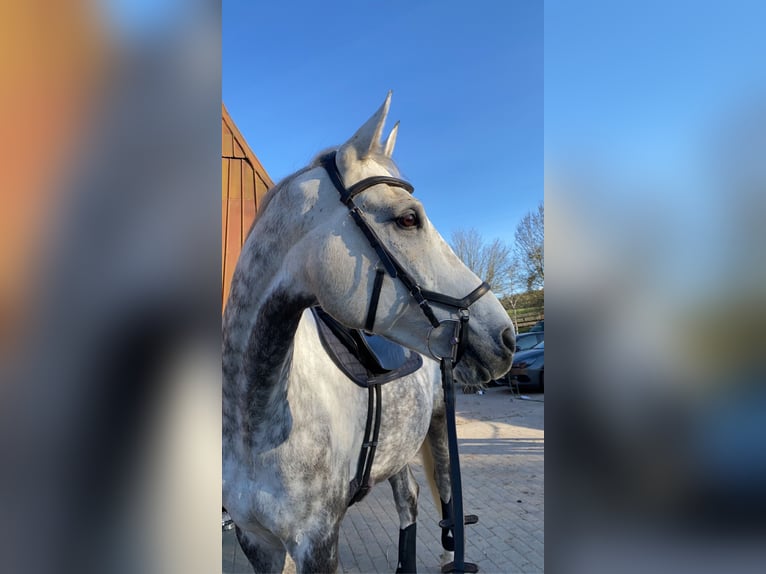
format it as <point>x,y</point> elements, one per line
<point>262,315</point>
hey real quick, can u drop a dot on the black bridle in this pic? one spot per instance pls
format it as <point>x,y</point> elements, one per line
<point>457,342</point>
<point>422,297</point>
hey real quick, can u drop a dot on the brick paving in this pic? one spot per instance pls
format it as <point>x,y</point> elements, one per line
<point>501,453</point>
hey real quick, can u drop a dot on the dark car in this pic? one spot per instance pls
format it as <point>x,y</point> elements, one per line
<point>528,366</point>
<point>526,341</point>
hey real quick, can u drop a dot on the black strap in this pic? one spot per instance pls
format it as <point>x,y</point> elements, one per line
<point>348,194</point>
<point>372,311</point>
<point>360,186</point>
<point>385,257</point>
<point>361,485</point>
<point>458,564</point>
<point>373,444</point>
<point>463,303</point>
<point>462,338</point>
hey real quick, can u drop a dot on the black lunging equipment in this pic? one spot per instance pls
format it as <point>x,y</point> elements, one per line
<point>457,341</point>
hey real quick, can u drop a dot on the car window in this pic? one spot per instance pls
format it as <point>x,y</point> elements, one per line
<point>540,345</point>
<point>524,342</point>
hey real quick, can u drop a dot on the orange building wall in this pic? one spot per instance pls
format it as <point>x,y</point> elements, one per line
<point>244,182</point>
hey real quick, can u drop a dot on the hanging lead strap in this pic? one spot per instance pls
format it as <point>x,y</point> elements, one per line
<point>457,520</point>
<point>458,565</point>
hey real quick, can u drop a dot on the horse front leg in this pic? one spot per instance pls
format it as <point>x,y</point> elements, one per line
<point>317,550</point>
<point>406,491</point>
<point>315,531</point>
<point>266,554</point>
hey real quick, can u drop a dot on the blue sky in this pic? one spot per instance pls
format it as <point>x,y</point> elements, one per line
<point>468,88</point>
<point>641,88</point>
<point>651,108</point>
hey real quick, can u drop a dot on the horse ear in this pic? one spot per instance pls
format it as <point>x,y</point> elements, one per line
<point>366,140</point>
<point>388,148</point>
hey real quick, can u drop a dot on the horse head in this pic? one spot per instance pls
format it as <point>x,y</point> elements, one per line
<point>368,240</point>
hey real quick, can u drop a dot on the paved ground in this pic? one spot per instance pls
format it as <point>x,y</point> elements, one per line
<point>501,455</point>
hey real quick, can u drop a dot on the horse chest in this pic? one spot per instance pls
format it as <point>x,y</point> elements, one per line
<point>406,415</point>
<point>333,420</point>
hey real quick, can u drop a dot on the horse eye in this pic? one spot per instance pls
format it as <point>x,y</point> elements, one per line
<point>407,221</point>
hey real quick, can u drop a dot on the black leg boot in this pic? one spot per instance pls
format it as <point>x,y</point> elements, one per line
<point>407,562</point>
<point>448,541</point>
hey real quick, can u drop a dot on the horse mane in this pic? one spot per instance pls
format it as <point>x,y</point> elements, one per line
<point>279,186</point>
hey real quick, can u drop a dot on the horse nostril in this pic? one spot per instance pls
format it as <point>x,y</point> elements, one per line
<point>509,339</point>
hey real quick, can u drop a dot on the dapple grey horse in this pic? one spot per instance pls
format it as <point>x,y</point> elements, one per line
<point>292,422</point>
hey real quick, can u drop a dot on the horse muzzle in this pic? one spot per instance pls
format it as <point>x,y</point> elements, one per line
<point>486,358</point>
